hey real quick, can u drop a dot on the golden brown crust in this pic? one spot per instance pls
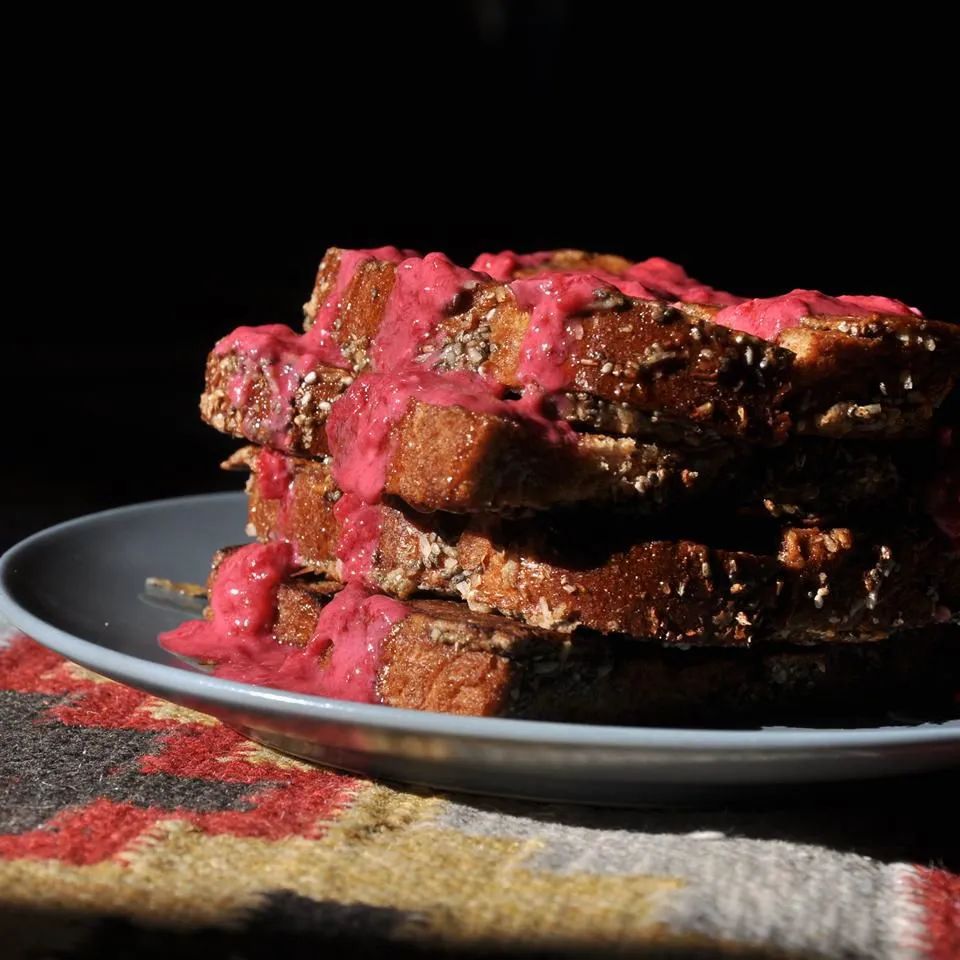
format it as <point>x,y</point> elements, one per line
<point>648,354</point>
<point>673,361</point>
<point>443,658</point>
<point>826,585</point>
<point>425,675</point>
<point>453,459</point>
<point>879,375</point>
<point>873,376</point>
<point>843,385</point>
<point>260,417</point>
<point>360,308</point>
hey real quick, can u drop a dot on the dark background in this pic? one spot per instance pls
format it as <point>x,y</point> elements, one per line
<point>179,178</point>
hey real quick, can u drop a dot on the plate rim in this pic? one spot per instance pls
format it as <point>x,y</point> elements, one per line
<point>130,669</point>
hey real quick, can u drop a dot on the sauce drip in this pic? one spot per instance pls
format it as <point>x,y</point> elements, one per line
<point>342,658</point>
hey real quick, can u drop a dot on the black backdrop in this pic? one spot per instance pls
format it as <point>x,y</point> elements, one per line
<point>187,178</point>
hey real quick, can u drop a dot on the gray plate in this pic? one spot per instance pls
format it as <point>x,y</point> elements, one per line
<point>78,589</point>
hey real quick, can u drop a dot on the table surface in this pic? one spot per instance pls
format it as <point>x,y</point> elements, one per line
<point>129,825</point>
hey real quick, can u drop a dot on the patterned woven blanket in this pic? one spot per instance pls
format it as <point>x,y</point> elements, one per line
<point>132,827</point>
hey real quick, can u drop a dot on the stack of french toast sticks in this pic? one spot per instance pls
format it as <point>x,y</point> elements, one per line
<point>573,487</point>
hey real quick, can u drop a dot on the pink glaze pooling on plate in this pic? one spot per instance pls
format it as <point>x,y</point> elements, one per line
<point>242,605</point>
<point>342,658</point>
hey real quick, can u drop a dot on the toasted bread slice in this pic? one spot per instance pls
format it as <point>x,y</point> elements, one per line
<point>439,457</point>
<point>245,399</point>
<point>437,655</point>
<point>880,376</point>
<point>873,373</point>
<point>584,337</point>
<point>868,374</point>
<point>562,572</point>
<point>444,658</point>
